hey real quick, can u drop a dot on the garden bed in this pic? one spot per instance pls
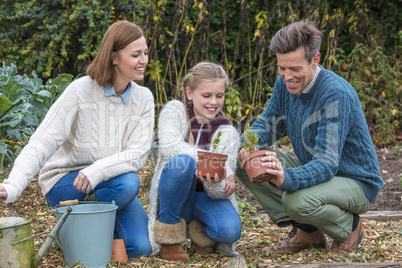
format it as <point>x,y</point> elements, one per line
<point>381,247</point>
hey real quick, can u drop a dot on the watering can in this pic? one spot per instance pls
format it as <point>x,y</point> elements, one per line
<point>16,241</point>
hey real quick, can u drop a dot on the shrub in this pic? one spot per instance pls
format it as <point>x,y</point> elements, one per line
<point>24,101</point>
<point>375,78</point>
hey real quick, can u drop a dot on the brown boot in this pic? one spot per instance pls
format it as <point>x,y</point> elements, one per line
<point>351,244</point>
<point>299,240</point>
<point>203,244</point>
<point>174,253</point>
<point>169,236</point>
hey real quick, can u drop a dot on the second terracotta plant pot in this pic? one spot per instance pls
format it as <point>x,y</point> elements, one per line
<point>252,164</point>
<point>119,251</point>
<point>211,163</point>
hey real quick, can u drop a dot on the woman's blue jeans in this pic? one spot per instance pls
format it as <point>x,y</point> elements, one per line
<point>131,218</point>
<point>178,199</point>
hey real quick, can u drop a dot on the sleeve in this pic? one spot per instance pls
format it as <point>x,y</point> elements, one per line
<point>333,121</point>
<point>172,131</point>
<point>270,126</point>
<point>48,137</point>
<point>229,143</point>
<point>135,154</point>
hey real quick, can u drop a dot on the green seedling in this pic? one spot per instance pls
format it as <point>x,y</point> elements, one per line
<point>250,140</point>
<point>216,141</point>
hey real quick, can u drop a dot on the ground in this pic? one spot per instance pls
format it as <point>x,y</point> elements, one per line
<point>390,197</point>
<point>382,242</point>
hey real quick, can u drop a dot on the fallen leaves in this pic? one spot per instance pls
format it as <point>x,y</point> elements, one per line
<point>382,241</point>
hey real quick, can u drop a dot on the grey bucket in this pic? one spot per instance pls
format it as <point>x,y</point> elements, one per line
<point>87,235</point>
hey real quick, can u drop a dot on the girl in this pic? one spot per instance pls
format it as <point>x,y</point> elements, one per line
<point>179,194</point>
<point>96,136</point>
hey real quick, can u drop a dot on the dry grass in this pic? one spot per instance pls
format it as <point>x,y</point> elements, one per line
<point>382,242</point>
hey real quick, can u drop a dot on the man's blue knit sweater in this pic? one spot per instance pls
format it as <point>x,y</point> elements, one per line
<point>328,132</point>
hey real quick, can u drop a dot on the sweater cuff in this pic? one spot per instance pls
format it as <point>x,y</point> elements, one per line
<point>230,172</point>
<point>93,174</point>
<point>287,183</point>
<point>215,190</point>
<point>12,193</point>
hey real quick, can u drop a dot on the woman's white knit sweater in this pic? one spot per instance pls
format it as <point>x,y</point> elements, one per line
<point>172,131</point>
<point>86,130</point>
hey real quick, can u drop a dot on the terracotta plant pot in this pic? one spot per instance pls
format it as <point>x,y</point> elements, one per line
<point>211,163</point>
<point>119,251</point>
<point>252,164</point>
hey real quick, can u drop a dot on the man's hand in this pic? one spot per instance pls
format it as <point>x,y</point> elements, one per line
<point>208,177</point>
<point>81,183</point>
<point>274,168</point>
<point>243,153</point>
<point>230,186</point>
<point>3,194</point>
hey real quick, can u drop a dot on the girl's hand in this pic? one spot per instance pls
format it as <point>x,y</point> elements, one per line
<point>3,194</point>
<point>208,177</point>
<point>81,183</point>
<point>230,186</point>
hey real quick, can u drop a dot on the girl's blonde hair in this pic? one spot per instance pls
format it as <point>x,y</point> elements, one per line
<point>202,72</point>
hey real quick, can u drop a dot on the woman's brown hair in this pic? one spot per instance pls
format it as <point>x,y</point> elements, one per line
<point>117,37</point>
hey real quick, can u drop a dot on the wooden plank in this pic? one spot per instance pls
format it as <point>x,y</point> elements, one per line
<point>370,215</point>
<point>382,215</point>
<point>337,265</point>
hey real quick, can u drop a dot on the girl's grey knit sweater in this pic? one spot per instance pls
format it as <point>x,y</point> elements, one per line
<point>172,131</point>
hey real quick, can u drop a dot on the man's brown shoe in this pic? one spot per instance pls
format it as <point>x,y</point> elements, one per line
<point>202,250</point>
<point>299,240</point>
<point>351,244</point>
<point>174,253</point>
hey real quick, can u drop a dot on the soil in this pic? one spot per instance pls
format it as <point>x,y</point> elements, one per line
<point>382,243</point>
<point>390,197</point>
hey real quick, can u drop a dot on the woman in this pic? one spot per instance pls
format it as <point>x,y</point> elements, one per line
<point>95,137</point>
<point>180,194</point>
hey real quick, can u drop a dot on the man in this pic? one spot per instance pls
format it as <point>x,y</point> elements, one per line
<point>335,176</point>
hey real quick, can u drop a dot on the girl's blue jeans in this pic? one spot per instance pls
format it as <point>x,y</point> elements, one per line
<point>178,199</point>
<point>131,218</point>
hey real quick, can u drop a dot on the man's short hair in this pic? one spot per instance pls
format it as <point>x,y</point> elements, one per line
<point>298,34</point>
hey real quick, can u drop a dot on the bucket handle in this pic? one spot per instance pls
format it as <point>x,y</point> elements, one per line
<point>76,202</point>
<point>68,203</point>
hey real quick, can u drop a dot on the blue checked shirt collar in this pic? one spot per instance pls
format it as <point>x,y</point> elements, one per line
<point>307,89</point>
<point>109,91</point>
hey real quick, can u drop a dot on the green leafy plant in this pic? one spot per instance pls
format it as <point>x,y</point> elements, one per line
<point>250,139</point>
<point>244,209</point>
<point>24,101</point>
<point>215,142</point>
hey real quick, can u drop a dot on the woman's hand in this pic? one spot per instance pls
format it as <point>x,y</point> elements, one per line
<point>3,194</point>
<point>208,177</point>
<point>230,186</point>
<point>81,183</point>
